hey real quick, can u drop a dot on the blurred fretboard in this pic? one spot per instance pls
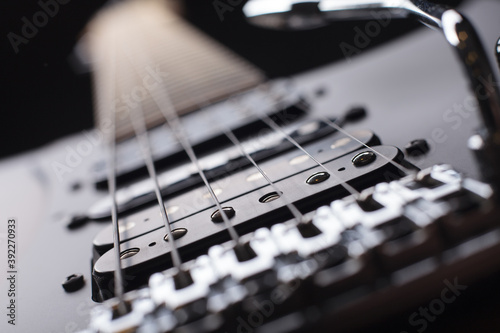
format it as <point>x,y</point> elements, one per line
<point>150,45</point>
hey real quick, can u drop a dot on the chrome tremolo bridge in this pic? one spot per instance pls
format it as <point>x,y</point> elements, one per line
<point>397,231</point>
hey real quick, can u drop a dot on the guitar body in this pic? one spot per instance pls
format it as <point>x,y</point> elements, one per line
<point>412,88</point>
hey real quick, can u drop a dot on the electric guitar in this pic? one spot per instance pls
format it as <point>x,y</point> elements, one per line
<point>356,196</point>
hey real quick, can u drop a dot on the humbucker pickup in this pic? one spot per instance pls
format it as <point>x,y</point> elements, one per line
<point>270,150</point>
<point>144,234</point>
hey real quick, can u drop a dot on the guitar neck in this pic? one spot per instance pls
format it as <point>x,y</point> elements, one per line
<point>162,50</point>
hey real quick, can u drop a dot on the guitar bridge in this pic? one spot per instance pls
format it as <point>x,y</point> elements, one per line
<point>415,225</point>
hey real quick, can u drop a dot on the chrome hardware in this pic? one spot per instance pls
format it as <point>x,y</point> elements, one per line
<point>227,264</point>
<point>164,291</point>
<point>458,31</point>
<point>103,318</point>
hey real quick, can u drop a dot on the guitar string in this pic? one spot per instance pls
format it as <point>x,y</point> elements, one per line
<point>111,178</point>
<point>298,216</point>
<point>139,125</point>
<point>336,126</point>
<point>295,212</point>
<point>164,104</point>
<point>341,130</point>
<point>144,141</point>
<point>273,125</point>
<point>176,127</point>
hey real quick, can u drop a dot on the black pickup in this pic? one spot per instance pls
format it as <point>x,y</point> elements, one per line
<point>169,154</point>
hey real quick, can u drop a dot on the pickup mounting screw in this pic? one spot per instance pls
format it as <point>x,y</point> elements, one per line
<point>73,283</point>
<point>77,221</point>
<point>417,147</point>
<point>356,113</point>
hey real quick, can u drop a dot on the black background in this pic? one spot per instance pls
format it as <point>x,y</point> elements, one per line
<point>43,97</point>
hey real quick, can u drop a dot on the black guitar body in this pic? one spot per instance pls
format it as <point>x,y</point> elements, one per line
<point>412,88</point>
